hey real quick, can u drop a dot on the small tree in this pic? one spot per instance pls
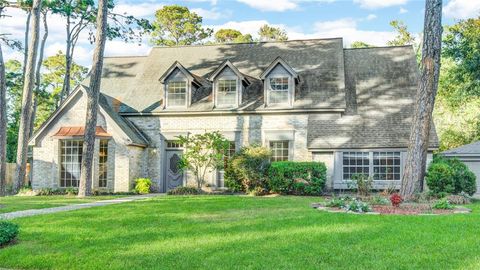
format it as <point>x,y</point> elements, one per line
<point>203,153</point>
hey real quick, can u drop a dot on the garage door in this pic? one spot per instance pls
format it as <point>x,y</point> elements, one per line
<point>475,168</point>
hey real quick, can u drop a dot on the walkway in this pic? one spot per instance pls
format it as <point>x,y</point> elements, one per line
<point>44,211</point>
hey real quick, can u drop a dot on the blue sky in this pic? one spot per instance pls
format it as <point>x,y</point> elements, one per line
<point>363,20</point>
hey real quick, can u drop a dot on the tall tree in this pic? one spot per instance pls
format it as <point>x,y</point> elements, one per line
<point>93,94</point>
<point>14,82</point>
<point>360,44</point>
<point>231,36</point>
<point>176,25</point>
<point>3,116</point>
<point>403,37</point>
<point>414,171</point>
<point>270,33</point>
<point>24,130</point>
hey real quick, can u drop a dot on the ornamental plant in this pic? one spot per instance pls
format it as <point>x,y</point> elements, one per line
<point>8,232</point>
<point>142,185</point>
<point>396,199</point>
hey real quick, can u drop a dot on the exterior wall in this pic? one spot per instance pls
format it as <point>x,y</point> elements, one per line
<point>328,159</point>
<point>46,151</point>
<point>243,129</point>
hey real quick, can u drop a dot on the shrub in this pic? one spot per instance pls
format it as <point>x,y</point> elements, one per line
<point>184,191</point>
<point>8,232</point>
<point>336,202</point>
<point>442,204</point>
<point>297,178</point>
<point>396,199</point>
<point>362,183</point>
<point>357,206</point>
<point>248,169</point>
<point>142,185</point>
<point>450,176</point>
<point>378,200</point>
<point>463,198</point>
<point>73,191</point>
<point>49,192</point>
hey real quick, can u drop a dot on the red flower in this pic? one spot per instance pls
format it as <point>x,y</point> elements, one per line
<point>396,199</point>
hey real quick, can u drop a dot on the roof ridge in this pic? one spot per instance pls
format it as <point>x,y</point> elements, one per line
<point>380,47</point>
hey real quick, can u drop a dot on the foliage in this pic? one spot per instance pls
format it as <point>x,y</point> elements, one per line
<point>378,200</point>
<point>270,33</point>
<point>176,25</point>
<point>203,154</point>
<point>297,178</point>
<point>49,192</point>
<point>362,183</point>
<point>249,168</point>
<point>231,36</point>
<point>450,175</point>
<point>232,181</point>
<point>71,191</point>
<point>8,232</point>
<point>360,44</point>
<point>358,206</point>
<point>442,204</point>
<point>184,191</point>
<point>396,199</point>
<point>336,202</point>
<point>403,37</point>
<point>143,185</point>
<point>462,45</point>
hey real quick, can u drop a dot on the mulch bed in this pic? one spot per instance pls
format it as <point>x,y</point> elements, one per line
<point>403,209</point>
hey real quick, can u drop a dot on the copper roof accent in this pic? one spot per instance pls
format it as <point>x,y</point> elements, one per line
<point>79,132</point>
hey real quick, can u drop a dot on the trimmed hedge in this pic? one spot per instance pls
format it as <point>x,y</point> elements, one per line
<point>184,191</point>
<point>450,176</point>
<point>8,232</point>
<point>297,178</point>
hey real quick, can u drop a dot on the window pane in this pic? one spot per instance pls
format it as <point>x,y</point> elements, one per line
<point>279,150</point>
<point>278,90</point>
<point>226,92</point>
<point>386,165</point>
<point>71,159</point>
<point>102,163</point>
<point>176,93</point>
<point>355,163</point>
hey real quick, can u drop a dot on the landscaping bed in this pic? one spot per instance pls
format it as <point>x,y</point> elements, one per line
<point>404,209</point>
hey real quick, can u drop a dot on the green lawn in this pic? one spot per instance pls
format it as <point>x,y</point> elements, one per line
<point>232,232</point>
<point>18,203</point>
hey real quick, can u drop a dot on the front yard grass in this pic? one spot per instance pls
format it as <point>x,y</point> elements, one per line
<point>19,203</point>
<point>234,232</point>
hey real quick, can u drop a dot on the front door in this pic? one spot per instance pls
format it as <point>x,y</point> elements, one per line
<point>174,174</point>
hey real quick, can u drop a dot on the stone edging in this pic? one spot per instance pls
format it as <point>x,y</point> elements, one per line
<point>457,210</point>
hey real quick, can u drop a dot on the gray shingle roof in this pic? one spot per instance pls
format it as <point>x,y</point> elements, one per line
<point>468,149</point>
<point>381,85</point>
<point>131,84</point>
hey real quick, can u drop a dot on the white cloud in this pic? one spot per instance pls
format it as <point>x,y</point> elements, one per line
<point>375,4</point>
<point>246,27</point>
<point>145,9</point>
<point>462,9</point>
<point>268,5</point>
<point>212,14</point>
<point>120,48</point>
<point>403,10</point>
<point>371,17</point>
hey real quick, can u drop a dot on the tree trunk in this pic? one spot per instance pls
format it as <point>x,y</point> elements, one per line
<point>38,76</point>
<point>3,126</point>
<point>93,94</point>
<point>68,64</point>
<point>414,171</point>
<point>28,85</point>
<point>25,42</point>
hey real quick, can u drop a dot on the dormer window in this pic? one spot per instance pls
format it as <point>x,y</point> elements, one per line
<point>178,84</point>
<point>279,89</point>
<point>279,84</point>
<point>228,83</point>
<point>176,93</point>
<point>226,92</point>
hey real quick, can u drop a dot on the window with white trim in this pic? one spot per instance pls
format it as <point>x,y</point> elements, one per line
<point>380,165</point>
<point>278,90</point>
<point>355,163</point>
<point>280,150</point>
<point>177,93</point>
<point>70,161</point>
<point>386,165</point>
<point>103,164</point>
<point>226,92</point>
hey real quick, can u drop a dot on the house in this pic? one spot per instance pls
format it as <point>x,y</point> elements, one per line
<point>305,99</point>
<point>470,155</point>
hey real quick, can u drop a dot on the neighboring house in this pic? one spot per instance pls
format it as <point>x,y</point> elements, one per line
<point>470,155</point>
<point>305,99</point>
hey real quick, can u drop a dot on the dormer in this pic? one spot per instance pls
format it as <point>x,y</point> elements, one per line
<point>178,84</point>
<point>279,81</point>
<point>227,85</point>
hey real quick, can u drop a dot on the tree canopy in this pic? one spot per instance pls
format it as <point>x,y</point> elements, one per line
<point>360,44</point>
<point>270,33</point>
<point>231,36</point>
<point>176,25</point>
<point>403,37</point>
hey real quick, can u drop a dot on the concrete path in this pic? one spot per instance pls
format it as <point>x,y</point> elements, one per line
<point>35,212</point>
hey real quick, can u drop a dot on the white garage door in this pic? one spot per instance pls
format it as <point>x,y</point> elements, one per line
<point>475,168</point>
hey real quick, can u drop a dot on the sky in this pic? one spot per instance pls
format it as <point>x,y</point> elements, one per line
<point>353,20</point>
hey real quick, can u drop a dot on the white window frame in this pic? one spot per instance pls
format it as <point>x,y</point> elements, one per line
<point>64,162</point>
<point>168,105</point>
<point>103,179</point>
<point>371,165</point>
<point>270,90</point>
<point>283,148</point>
<point>217,92</point>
